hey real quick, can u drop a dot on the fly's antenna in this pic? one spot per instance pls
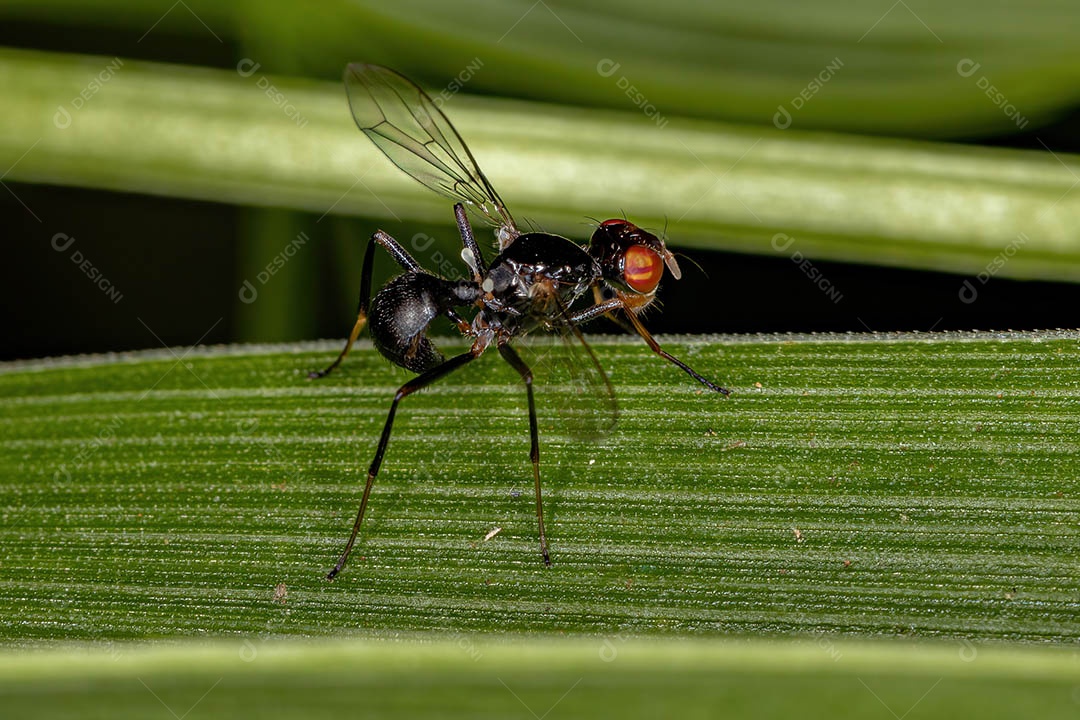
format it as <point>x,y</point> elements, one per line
<point>693,262</point>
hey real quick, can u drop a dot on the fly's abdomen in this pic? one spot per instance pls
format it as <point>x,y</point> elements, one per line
<point>401,313</point>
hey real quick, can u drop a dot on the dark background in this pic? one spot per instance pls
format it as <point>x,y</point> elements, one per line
<point>177,262</point>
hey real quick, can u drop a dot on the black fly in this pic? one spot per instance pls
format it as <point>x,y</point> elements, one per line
<point>532,283</point>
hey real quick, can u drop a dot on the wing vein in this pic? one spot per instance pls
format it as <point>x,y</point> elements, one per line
<point>410,129</point>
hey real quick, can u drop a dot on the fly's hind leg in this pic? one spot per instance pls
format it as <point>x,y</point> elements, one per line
<point>406,261</point>
<point>417,383</point>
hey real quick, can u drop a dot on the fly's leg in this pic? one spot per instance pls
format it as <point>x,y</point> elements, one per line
<point>604,308</point>
<point>475,259</point>
<point>417,383</point>
<point>402,257</point>
<point>655,346</point>
<point>610,314</point>
<point>511,356</point>
<point>405,260</point>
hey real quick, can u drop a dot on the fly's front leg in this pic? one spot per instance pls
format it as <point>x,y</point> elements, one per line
<point>603,308</point>
<point>598,296</point>
<point>470,251</point>
<point>594,311</point>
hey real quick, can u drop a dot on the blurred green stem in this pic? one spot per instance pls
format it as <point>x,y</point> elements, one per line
<point>219,135</point>
<point>272,237</point>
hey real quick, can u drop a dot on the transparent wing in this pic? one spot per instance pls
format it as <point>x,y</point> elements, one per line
<point>571,382</point>
<point>404,122</point>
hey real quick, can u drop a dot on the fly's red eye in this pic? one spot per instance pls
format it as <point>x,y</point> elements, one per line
<point>642,268</point>
<point>611,223</point>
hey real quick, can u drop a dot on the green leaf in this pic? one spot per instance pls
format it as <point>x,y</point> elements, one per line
<point>218,135</point>
<point>868,485</point>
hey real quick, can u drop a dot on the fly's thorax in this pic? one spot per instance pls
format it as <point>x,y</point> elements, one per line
<point>542,256</point>
<point>538,274</point>
<point>465,292</point>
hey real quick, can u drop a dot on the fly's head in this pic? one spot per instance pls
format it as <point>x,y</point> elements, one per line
<point>631,260</point>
